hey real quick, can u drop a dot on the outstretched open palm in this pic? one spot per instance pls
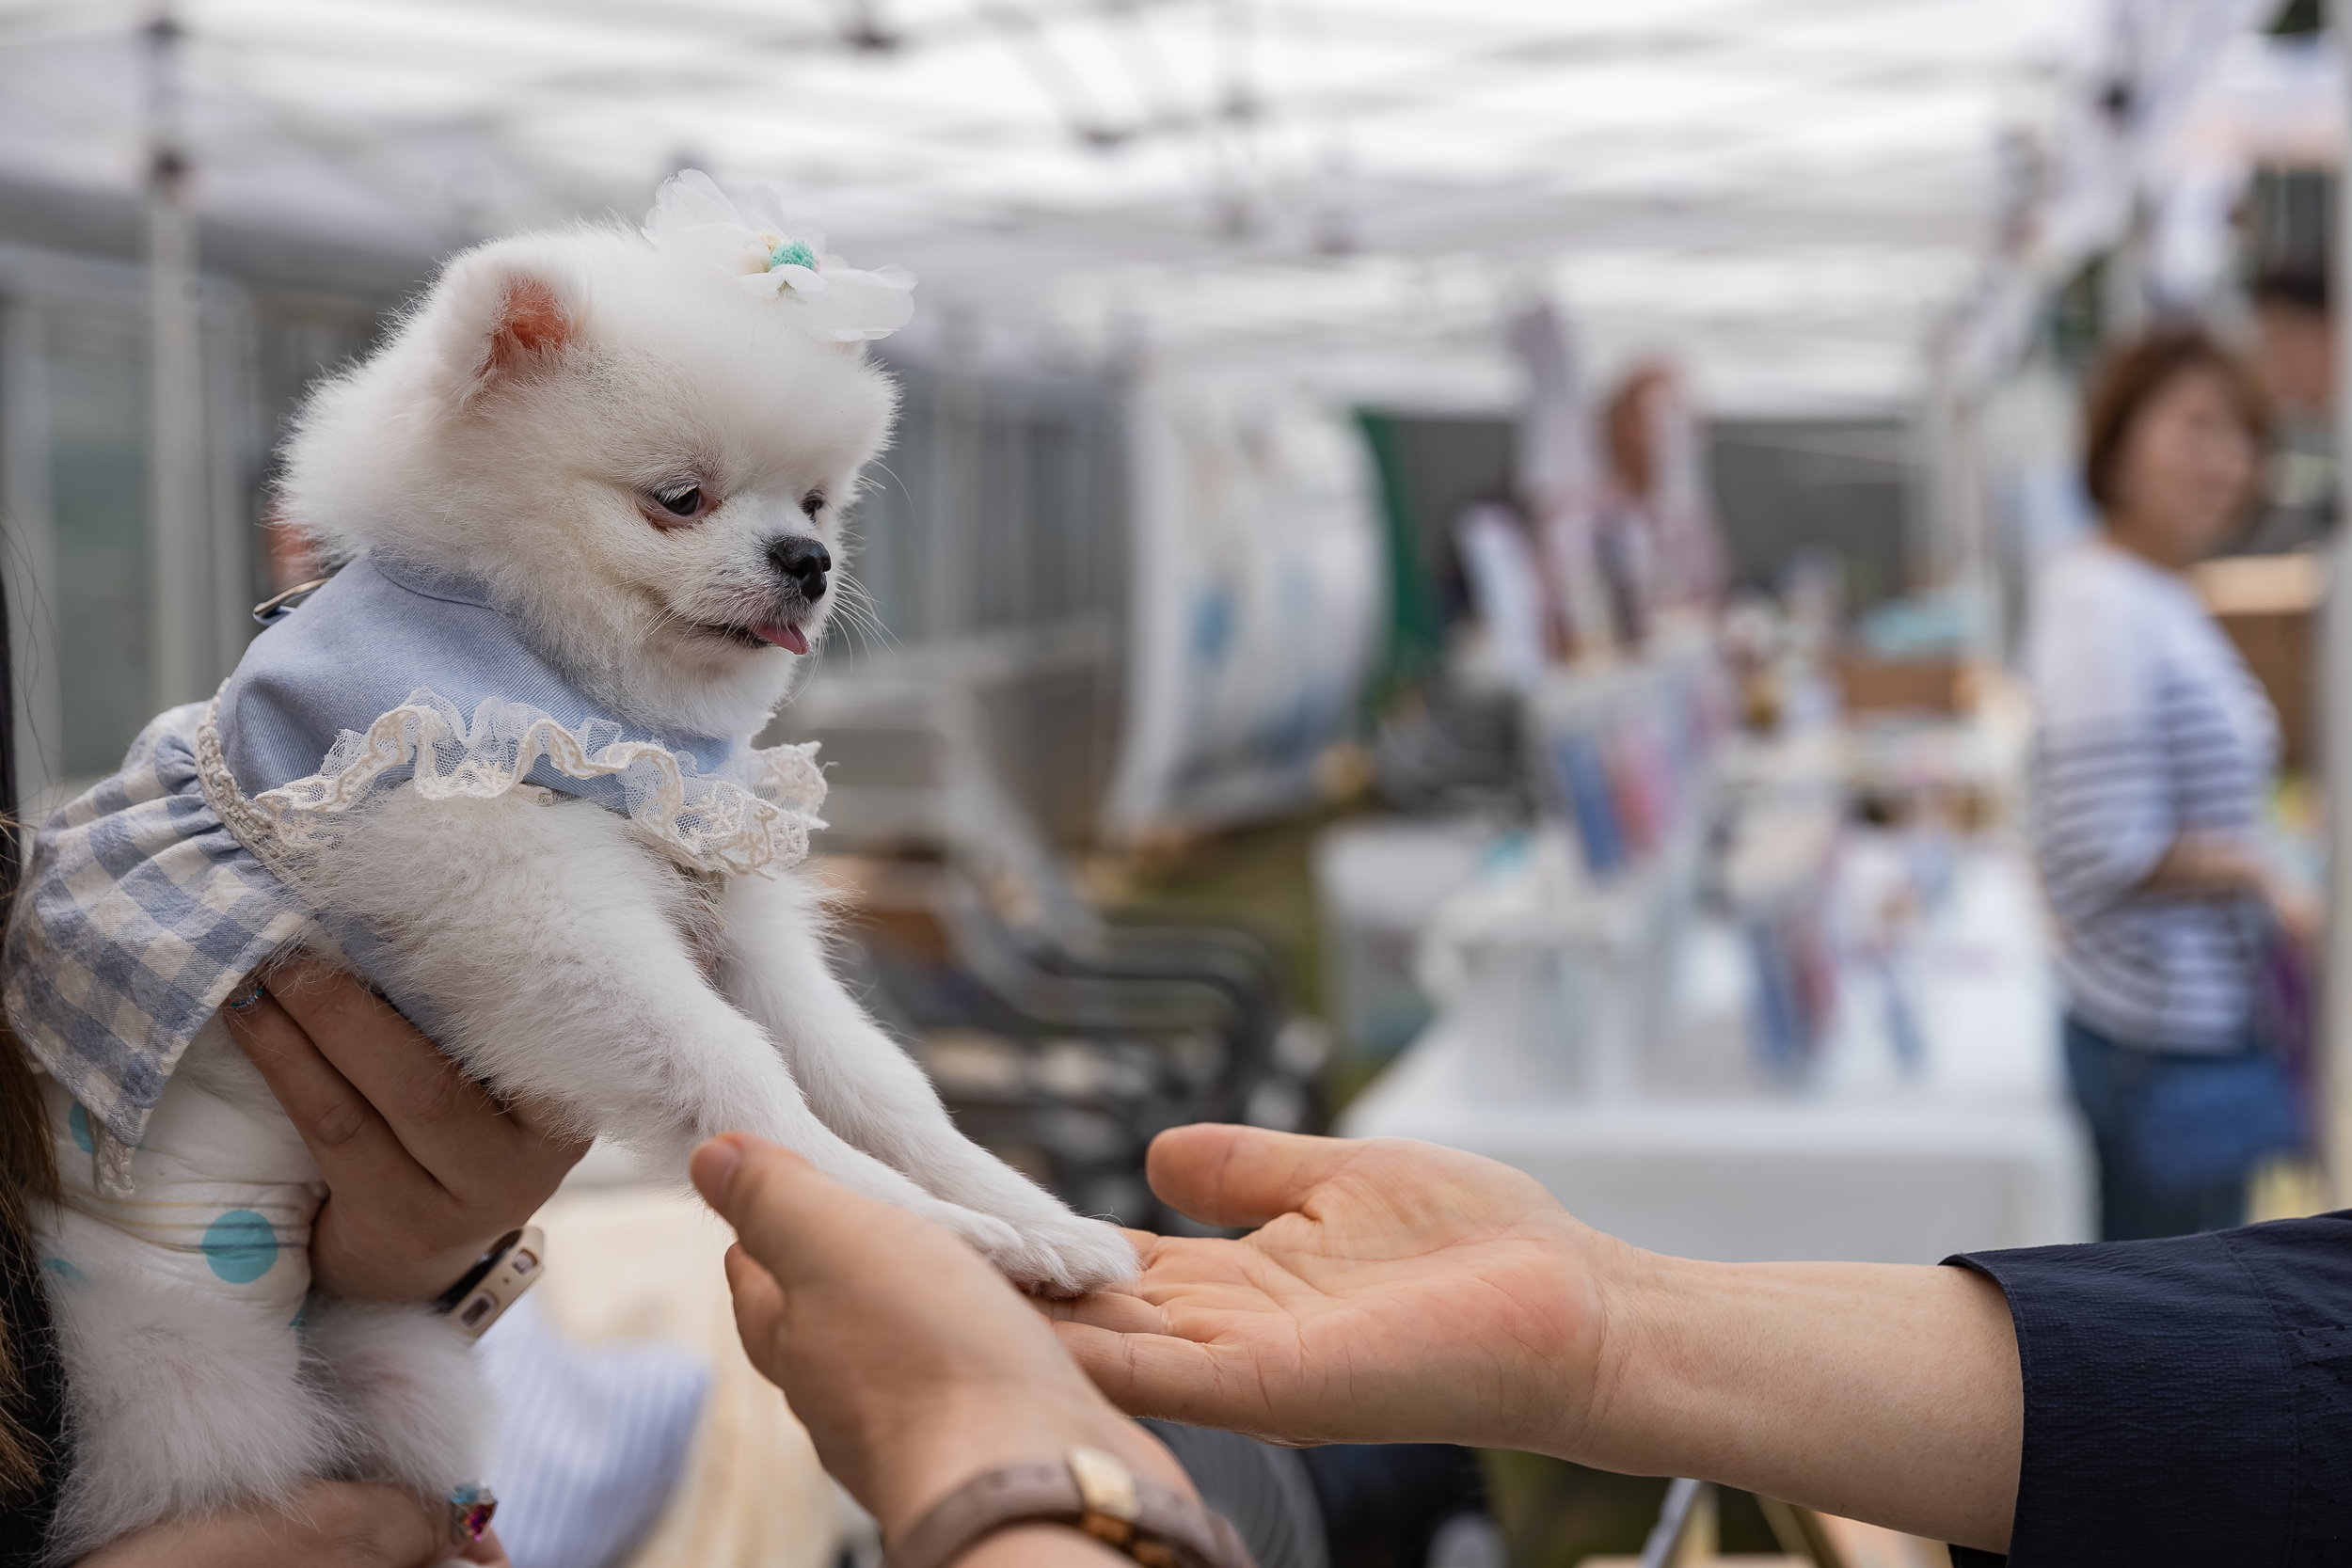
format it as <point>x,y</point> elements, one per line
<point>1392,1291</point>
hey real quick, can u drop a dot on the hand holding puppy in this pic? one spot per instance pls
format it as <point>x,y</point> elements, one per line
<point>912,1363</point>
<point>329,1524</point>
<point>423,1168</point>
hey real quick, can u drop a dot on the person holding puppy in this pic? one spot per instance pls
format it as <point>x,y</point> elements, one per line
<point>423,1168</point>
<point>2143,1401</point>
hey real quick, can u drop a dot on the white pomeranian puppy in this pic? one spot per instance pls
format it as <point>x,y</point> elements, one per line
<point>586,502</point>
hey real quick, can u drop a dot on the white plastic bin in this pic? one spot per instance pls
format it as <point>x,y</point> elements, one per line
<point>1378,881</point>
<point>1555,983</point>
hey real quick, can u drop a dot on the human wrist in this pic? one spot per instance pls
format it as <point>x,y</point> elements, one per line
<point>1889,1393</point>
<point>1601,1398</point>
<point>904,1472</point>
<point>958,1440</point>
<point>1706,1361</point>
<point>387,1268</point>
<point>908,1479</point>
<point>1087,1490</point>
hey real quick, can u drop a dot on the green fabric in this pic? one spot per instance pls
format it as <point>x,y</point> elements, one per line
<point>1416,629</point>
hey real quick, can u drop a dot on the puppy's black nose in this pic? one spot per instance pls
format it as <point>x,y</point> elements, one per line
<point>803,561</point>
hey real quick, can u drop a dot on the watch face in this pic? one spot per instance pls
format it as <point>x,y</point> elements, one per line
<point>1104,1484</point>
<point>475,1314</point>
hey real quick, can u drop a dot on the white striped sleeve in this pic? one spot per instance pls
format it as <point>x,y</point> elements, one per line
<point>2104,808</point>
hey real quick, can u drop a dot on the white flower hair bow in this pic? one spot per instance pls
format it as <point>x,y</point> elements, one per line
<point>779,258</point>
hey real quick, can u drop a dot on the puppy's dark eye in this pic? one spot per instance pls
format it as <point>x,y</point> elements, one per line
<point>682,503</point>
<point>812,503</point>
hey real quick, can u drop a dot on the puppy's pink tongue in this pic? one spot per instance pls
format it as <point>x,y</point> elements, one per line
<point>784,636</point>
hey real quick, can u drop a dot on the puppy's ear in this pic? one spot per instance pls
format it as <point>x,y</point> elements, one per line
<point>503,321</point>
<point>528,330</point>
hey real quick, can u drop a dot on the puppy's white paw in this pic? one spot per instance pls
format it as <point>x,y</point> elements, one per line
<point>987,1235</point>
<point>1068,1255</point>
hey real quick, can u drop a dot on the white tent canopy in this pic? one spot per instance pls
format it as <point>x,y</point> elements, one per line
<point>1786,193</point>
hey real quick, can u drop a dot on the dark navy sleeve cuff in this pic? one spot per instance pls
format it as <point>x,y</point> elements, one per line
<point>2187,1399</point>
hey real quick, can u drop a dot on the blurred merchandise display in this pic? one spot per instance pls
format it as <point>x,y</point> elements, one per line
<point>1452,747</point>
<point>1775,883</point>
<point>1560,946</point>
<point>1620,754</point>
<point>1759,973</point>
<point>1556,981</point>
<point>1940,686</point>
<point>1928,1108</point>
<point>1918,655</point>
<point>1623,751</point>
<point>1964,770</point>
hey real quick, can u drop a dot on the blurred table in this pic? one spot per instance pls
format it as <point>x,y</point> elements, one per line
<point>1979,1148</point>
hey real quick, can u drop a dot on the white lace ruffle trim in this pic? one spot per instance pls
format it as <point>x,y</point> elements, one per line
<point>758,822</point>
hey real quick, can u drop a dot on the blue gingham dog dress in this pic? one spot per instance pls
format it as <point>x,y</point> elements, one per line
<point>151,897</point>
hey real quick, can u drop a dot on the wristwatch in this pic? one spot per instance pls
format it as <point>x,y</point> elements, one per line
<point>1089,1491</point>
<point>494,1283</point>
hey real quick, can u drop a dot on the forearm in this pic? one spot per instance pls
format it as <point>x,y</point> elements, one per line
<point>1890,1394</point>
<point>2209,865</point>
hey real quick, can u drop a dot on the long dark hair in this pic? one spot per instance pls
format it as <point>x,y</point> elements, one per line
<point>28,1170</point>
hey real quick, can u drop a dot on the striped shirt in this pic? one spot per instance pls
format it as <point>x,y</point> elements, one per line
<point>2148,726</point>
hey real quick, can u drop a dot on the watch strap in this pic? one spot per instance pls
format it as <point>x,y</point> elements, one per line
<point>481,1270</point>
<point>1089,1490</point>
<point>514,1270</point>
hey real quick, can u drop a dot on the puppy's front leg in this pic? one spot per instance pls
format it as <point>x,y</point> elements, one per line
<point>550,945</point>
<point>869,1091</point>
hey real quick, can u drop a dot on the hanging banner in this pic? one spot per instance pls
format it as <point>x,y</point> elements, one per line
<point>1256,599</point>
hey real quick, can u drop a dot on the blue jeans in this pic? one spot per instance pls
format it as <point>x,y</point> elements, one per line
<point>2109,1078</point>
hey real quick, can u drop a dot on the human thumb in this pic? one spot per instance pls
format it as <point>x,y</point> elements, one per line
<point>1245,1176</point>
<point>712,1166</point>
<point>787,1215</point>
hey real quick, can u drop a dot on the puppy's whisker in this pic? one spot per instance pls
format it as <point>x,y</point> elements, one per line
<point>857,607</point>
<point>858,603</point>
<point>866,484</point>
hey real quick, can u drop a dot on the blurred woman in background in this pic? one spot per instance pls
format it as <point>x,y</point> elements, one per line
<point>2154,752</point>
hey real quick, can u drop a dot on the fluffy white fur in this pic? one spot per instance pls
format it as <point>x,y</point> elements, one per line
<point>528,474</point>
<point>180,1403</point>
<point>520,425</point>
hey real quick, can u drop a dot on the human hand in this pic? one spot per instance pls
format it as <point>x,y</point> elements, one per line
<point>2302,918</point>
<point>913,1365</point>
<point>1398,1292</point>
<point>425,1170</point>
<point>331,1524</point>
<point>1394,1292</point>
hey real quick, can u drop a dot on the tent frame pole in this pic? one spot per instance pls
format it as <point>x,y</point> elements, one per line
<point>2335,687</point>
